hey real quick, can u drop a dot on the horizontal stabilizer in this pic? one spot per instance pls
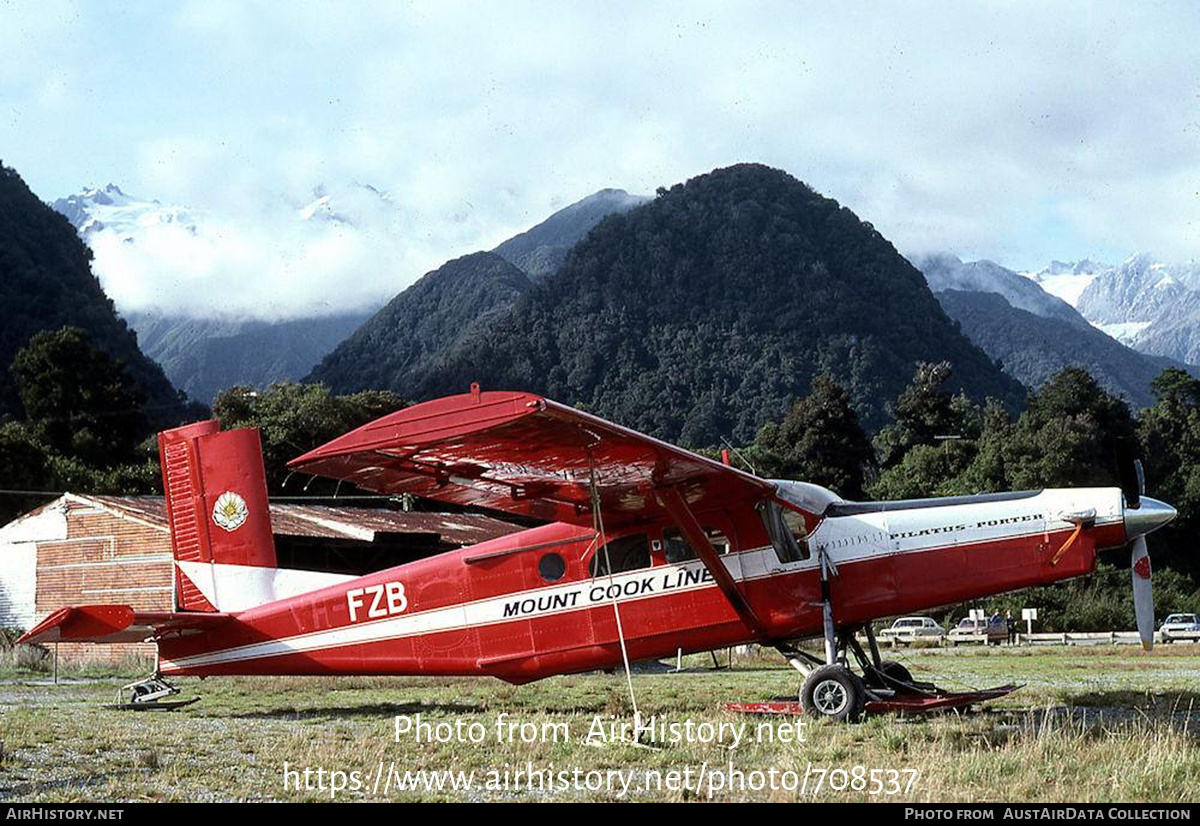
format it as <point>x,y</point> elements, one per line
<point>117,623</point>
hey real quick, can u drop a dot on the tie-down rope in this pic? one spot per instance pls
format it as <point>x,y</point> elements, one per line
<point>602,538</point>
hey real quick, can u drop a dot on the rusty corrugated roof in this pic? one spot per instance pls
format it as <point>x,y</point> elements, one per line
<point>322,521</point>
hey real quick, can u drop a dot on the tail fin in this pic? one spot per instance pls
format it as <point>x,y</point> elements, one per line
<point>216,492</point>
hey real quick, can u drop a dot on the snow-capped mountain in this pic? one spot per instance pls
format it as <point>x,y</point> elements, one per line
<point>219,298</point>
<point>1139,290</point>
<point>349,204</point>
<point>336,248</point>
<point>1148,304</point>
<point>1016,321</point>
<point>944,271</point>
<point>96,209</point>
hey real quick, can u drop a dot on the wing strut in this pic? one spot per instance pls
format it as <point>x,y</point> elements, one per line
<point>682,515</point>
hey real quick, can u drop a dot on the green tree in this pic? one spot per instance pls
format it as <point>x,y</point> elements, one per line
<point>1169,433</point>
<point>988,470</point>
<point>295,418</point>
<point>925,413</point>
<point>1177,386</point>
<point>24,466</point>
<point>926,470</point>
<point>819,441</point>
<point>1069,434</point>
<point>78,400</point>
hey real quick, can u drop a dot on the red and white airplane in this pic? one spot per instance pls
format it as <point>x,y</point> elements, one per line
<point>646,549</point>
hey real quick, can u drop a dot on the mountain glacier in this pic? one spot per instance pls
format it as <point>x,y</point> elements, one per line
<point>1019,321</point>
<point>943,272</point>
<point>1146,303</point>
<point>108,209</point>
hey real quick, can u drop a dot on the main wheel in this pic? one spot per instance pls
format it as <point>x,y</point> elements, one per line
<point>833,692</point>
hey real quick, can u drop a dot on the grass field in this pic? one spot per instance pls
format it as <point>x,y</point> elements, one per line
<point>1092,724</point>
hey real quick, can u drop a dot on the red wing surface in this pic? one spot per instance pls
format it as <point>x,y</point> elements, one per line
<point>526,455</point>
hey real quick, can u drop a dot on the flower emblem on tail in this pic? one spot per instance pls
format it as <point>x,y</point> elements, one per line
<point>230,511</point>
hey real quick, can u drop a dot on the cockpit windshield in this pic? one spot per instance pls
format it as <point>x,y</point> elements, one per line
<point>787,530</point>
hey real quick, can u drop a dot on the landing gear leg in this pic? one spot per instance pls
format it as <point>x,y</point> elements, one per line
<point>832,691</point>
<point>828,569</point>
<point>802,661</point>
<point>873,644</point>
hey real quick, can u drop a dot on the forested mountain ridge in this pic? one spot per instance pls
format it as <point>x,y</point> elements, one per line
<point>46,283</point>
<point>705,312</point>
<point>411,336</point>
<point>203,356</point>
<point>446,306</point>
<point>540,250</point>
<point>1033,348</point>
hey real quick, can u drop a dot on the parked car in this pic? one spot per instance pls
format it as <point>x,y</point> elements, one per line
<point>1180,627</point>
<point>909,629</point>
<point>995,628</point>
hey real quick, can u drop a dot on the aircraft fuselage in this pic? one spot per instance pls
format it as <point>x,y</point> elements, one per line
<point>538,602</point>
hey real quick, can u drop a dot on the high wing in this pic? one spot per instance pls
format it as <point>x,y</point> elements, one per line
<point>117,623</point>
<point>526,455</point>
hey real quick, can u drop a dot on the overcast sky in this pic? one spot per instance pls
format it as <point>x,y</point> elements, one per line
<point>1014,132</point>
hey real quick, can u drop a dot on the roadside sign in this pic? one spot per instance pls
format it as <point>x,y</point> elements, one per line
<point>1029,615</point>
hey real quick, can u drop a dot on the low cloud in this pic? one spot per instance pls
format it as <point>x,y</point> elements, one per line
<point>1014,131</point>
<point>347,248</point>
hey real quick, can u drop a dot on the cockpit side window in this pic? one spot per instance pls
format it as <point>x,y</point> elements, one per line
<point>629,553</point>
<point>678,549</point>
<point>787,530</point>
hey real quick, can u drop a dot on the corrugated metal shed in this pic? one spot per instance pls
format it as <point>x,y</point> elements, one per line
<point>86,553</point>
<point>18,562</point>
<point>342,522</point>
<point>116,549</point>
<point>18,584</point>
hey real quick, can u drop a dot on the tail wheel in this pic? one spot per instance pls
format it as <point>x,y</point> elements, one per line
<point>833,692</point>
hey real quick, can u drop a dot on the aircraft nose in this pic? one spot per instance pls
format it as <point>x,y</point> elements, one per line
<point>1149,515</point>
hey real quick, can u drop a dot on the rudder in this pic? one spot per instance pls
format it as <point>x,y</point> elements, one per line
<point>217,507</point>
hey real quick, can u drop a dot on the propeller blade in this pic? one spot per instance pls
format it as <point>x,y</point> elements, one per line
<point>1143,593</point>
<point>1129,473</point>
